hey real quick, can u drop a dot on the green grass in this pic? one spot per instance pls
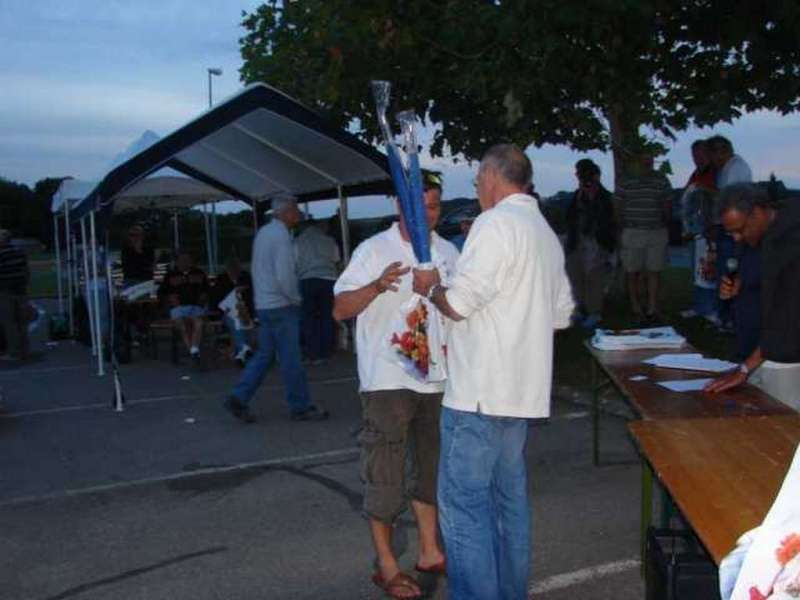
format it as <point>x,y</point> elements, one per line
<point>572,362</point>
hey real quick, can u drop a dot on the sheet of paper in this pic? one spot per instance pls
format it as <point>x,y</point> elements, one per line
<point>690,362</point>
<point>685,385</point>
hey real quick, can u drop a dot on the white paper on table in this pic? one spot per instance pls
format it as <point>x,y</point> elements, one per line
<point>685,385</point>
<point>690,362</point>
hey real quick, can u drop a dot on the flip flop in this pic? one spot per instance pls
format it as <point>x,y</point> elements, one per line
<point>439,568</point>
<point>397,584</point>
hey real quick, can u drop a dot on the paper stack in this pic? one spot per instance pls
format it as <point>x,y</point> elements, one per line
<point>637,339</point>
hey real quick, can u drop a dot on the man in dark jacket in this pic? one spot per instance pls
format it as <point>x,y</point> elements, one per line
<point>591,238</point>
<point>748,215</point>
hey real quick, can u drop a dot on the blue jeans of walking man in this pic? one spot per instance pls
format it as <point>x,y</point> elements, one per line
<point>484,513</point>
<point>278,333</point>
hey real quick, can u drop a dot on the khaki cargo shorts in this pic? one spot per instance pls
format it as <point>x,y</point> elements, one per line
<point>644,249</point>
<point>399,450</point>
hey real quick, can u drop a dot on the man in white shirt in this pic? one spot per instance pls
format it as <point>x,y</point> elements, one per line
<point>277,301</point>
<point>317,267</point>
<point>509,293</point>
<point>400,412</point>
<point>731,168</point>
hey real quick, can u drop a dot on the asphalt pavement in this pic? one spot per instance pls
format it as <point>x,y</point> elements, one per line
<point>174,499</point>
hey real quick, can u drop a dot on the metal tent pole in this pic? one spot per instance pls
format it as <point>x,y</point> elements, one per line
<point>345,225</point>
<point>59,283</point>
<point>214,236</point>
<point>208,240</point>
<point>176,233</point>
<point>70,289</point>
<point>98,330</point>
<point>119,398</point>
<point>86,277</point>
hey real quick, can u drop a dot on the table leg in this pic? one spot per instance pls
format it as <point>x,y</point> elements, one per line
<point>646,517</point>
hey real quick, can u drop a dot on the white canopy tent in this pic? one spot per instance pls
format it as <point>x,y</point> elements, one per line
<point>164,192</point>
<point>255,146</point>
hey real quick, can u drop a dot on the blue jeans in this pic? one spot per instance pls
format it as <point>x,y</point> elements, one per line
<point>484,513</point>
<point>278,333</point>
<point>704,301</point>
<point>238,336</point>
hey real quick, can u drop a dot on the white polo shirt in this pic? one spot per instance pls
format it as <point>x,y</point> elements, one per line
<point>376,323</point>
<point>736,170</point>
<point>512,289</point>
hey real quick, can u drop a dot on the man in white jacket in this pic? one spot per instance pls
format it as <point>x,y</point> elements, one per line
<point>508,295</point>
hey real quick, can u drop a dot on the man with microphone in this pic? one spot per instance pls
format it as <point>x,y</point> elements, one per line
<point>749,216</point>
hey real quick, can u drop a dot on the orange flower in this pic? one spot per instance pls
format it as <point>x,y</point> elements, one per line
<point>790,547</point>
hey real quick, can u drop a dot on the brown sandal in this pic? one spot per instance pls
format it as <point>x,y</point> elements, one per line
<point>439,568</point>
<point>397,585</point>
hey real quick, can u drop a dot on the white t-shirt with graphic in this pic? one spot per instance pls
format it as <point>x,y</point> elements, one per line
<point>376,323</point>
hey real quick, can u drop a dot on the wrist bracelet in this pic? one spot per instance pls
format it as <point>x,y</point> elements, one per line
<point>743,369</point>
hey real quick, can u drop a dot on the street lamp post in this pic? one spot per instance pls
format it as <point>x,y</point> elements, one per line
<point>213,71</point>
<point>216,71</point>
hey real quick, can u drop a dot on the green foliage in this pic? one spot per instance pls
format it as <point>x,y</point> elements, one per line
<point>25,211</point>
<point>589,74</point>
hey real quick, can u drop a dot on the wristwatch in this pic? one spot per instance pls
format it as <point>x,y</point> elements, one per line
<point>432,291</point>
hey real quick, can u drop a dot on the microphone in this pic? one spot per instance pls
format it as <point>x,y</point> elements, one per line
<point>732,266</point>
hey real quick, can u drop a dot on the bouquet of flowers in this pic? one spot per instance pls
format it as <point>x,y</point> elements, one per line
<point>412,344</point>
<point>417,339</point>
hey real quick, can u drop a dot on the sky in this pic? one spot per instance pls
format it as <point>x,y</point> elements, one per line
<point>82,80</point>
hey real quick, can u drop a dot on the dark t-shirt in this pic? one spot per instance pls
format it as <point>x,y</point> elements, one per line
<point>780,286</point>
<point>191,287</point>
<point>138,266</point>
<point>747,304</point>
<point>13,270</point>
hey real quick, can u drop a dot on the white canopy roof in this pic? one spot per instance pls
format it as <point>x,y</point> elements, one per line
<point>166,192</point>
<point>158,191</point>
<point>72,191</point>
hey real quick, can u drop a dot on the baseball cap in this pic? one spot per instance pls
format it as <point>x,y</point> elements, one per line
<point>431,180</point>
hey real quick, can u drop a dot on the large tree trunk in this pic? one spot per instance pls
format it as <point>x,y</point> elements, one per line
<point>625,140</point>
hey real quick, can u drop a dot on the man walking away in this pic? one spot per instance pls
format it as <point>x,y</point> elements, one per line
<point>509,293</point>
<point>277,302</point>
<point>317,267</point>
<point>14,277</point>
